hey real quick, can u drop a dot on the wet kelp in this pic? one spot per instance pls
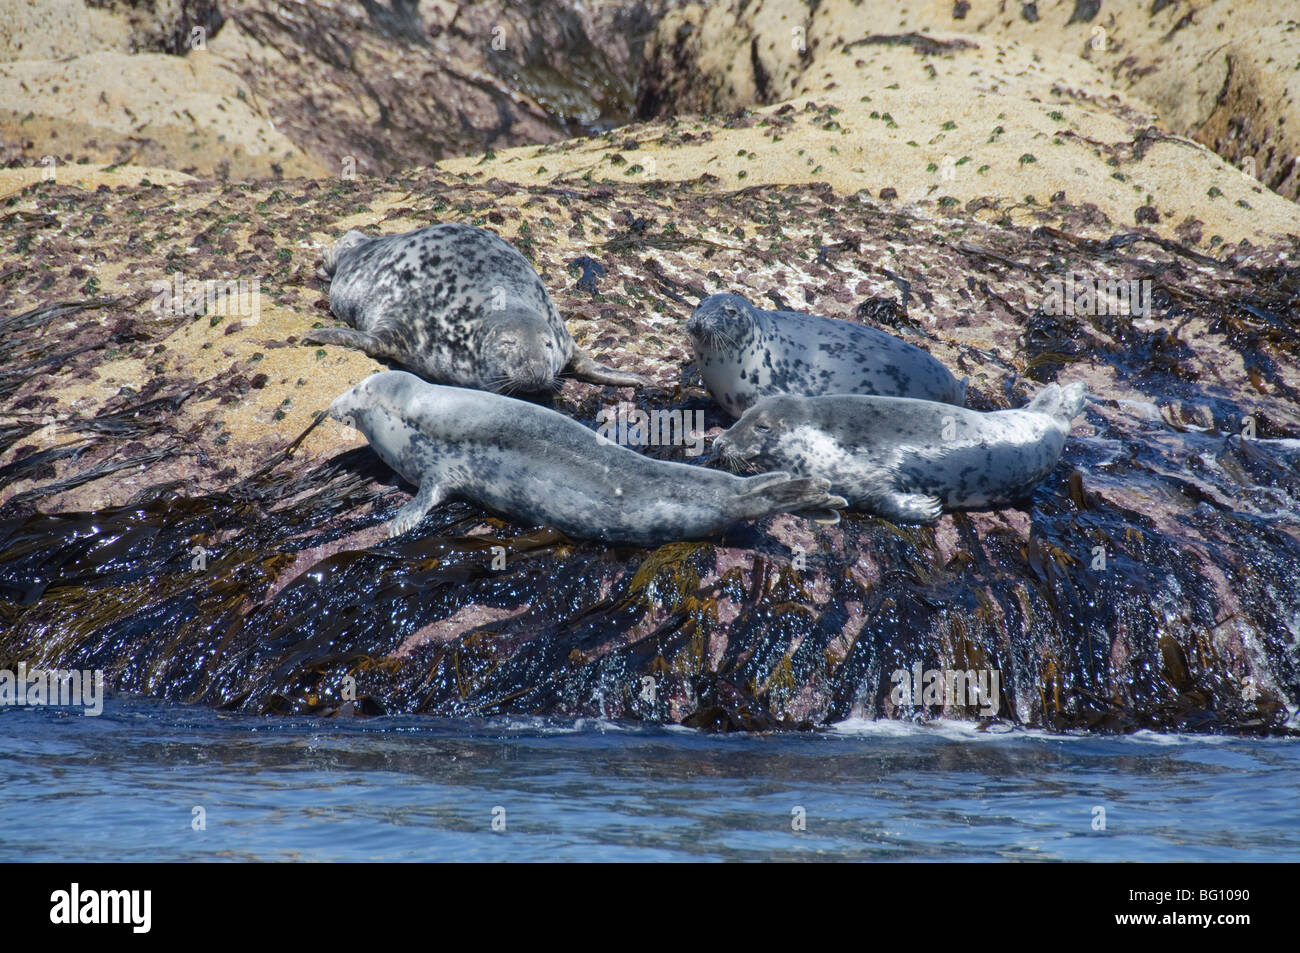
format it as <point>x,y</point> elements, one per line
<point>1149,583</point>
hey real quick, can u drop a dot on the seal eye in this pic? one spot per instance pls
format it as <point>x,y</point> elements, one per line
<point>762,428</point>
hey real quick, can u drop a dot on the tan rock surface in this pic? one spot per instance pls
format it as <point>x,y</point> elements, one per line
<point>187,113</point>
<point>57,29</point>
<point>1226,72</point>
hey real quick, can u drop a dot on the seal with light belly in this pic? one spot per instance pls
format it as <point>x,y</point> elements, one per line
<point>538,466</point>
<point>746,353</point>
<point>905,459</point>
<point>456,305</point>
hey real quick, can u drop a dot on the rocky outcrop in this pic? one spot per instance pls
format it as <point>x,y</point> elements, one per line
<point>1221,73</point>
<point>172,512</point>
<point>251,89</point>
<point>406,84</point>
<point>1148,584</point>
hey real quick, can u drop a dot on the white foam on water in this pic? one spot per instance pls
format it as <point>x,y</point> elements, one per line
<point>951,729</point>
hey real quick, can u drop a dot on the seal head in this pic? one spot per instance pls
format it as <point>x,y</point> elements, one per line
<point>746,353</point>
<point>524,355</point>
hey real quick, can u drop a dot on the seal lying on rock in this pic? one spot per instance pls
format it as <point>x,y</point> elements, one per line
<point>538,466</point>
<point>455,304</point>
<point>746,353</point>
<point>902,458</point>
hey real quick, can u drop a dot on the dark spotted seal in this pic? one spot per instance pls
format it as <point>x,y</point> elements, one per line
<point>746,353</point>
<point>538,466</point>
<point>904,458</point>
<point>455,304</point>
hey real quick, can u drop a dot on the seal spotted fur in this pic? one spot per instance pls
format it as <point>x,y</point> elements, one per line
<point>457,305</point>
<point>746,353</point>
<point>539,466</point>
<point>902,458</point>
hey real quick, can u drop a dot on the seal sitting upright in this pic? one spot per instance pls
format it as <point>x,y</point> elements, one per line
<point>539,466</point>
<point>457,305</point>
<point>746,353</point>
<point>903,458</point>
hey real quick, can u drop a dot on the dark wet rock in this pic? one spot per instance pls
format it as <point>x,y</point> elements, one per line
<point>919,43</point>
<point>166,26</point>
<point>591,271</point>
<point>1084,11</point>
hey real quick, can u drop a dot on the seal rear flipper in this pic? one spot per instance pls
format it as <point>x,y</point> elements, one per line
<point>426,498</point>
<point>764,481</point>
<point>1063,403</point>
<point>906,507</point>
<point>584,367</point>
<point>962,388</point>
<point>779,493</point>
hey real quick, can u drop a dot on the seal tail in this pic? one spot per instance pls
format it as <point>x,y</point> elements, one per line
<point>778,492</point>
<point>329,258</point>
<point>1063,403</point>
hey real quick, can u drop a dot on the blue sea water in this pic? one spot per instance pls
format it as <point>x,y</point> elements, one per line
<point>124,787</point>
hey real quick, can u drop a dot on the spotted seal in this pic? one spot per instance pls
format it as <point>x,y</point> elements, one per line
<point>904,458</point>
<point>745,353</point>
<point>539,466</point>
<point>456,305</point>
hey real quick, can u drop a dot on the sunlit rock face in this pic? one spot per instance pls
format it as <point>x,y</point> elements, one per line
<point>251,89</point>
<point>1213,75</point>
<point>160,520</point>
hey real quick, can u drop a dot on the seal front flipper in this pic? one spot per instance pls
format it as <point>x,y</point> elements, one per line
<point>906,507</point>
<point>429,495</point>
<point>584,367</point>
<point>372,344</point>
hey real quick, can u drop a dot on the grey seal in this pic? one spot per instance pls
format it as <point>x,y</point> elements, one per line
<point>746,353</point>
<point>455,304</point>
<point>903,458</point>
<point>539,466</point>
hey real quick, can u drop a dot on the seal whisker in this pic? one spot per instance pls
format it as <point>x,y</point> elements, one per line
<point>716,339</point>
<point>735,462</point>
<point>502,384</point>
